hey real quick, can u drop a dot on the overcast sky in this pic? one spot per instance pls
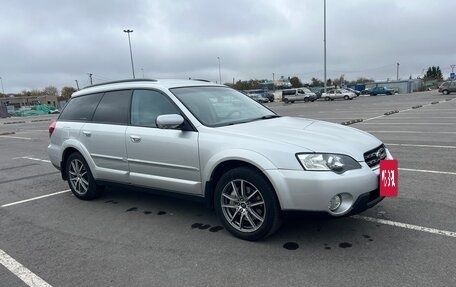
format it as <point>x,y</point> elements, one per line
<point>57,42</point>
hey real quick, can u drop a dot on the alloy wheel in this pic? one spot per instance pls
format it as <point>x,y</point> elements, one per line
<point>243,205</point>
<point>78,177</point>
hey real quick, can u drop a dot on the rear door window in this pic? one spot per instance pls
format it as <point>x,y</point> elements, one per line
<point>80,108</point>
<point>113,108</point>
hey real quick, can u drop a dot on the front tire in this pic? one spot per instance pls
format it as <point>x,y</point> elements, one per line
<point>246,204</point>
<point>80,178</point>
<point>327,98</point>
<point>346,97</point>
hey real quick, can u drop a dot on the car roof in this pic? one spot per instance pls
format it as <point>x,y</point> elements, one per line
<point>143,83</point>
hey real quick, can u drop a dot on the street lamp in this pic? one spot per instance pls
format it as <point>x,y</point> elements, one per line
<point>131,54</point>
<point>220,72</point>
<point>397,72</point>
<point>324,40</point>
<point>3,90</point>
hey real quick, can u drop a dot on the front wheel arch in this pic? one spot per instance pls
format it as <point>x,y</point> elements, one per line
<point>221,169</point>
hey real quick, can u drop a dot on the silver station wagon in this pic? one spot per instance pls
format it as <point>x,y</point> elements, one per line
<point>209,141</point>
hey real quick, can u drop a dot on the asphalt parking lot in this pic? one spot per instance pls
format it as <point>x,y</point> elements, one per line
<point>131,238</point>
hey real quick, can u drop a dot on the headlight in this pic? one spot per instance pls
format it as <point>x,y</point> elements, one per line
<point>319,162</point>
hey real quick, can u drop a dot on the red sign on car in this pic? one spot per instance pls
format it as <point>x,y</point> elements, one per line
<point>389,178</point>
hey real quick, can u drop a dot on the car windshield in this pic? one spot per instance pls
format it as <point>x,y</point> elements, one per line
<point>220,106</point>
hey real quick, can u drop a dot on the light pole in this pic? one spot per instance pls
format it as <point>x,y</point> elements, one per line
<point>131,54</point>
<point>220,72</point>
<point>452,68</point>
<point>324,40</point>
<point>142,69</point>
<point>3,90</point>
<point>397,72</point>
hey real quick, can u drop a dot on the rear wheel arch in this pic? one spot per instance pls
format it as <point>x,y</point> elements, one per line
<point>66,153</point>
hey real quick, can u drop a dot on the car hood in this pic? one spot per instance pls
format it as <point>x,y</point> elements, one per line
<point>308,135</point>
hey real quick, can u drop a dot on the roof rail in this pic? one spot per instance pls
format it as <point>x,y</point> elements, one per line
<point>202,80</point>
<point>120,81</point>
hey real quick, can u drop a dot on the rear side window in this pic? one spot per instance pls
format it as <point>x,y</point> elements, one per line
<point>113,108</point>
<point>288,92</point>
<point>80,108</point>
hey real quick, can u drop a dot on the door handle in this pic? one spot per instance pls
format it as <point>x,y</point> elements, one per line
<point>135,139</point>
<point>86,133</point>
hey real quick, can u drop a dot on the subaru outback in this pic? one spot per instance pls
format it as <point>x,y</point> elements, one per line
<point>214,143</point>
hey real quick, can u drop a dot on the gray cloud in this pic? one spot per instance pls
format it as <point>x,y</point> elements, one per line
<point>55,42</point>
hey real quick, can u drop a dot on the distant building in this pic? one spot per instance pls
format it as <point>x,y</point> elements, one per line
<point>25,101</point>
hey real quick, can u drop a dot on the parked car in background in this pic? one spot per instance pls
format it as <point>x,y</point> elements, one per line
<point>212,143</point>
<point>263,93</point>
<point>299,94</point>
<point>258,98</point>
<point>353,91</point>
<point>317,91</point>
<point>338,94</point>
<point>447,87</point>
<point>381,91</point>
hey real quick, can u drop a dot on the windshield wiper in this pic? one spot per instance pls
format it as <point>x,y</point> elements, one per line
<point>269,117</point>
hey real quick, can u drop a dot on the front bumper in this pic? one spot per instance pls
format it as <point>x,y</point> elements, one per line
<point>312,190</point>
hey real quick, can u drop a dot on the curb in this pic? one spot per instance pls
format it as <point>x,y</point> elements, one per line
<point>43,120</point>
<point>391,112</point>
<point>18,122</point>
<point>351,122</point>
<point>7,133</point>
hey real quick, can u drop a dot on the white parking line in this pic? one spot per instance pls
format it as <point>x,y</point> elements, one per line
<point>411,132</point>
<point>12,137</point>
<point>428,171</point>
<point>29,278</point>
<point>386,123</point>
<point>422,145</point>
<point>33,131</point>
<point>406,225</point>
<point>36,159</point>
<point>34,198</point>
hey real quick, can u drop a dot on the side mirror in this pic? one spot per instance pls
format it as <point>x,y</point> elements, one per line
<point>170,121</point>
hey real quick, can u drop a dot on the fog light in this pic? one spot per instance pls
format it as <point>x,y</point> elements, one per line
<point>335,202</point>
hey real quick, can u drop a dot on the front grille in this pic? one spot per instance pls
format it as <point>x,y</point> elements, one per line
<point>373,157</point>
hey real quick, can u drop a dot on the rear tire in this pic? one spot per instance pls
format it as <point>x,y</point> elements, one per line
<point>286,101</point>
<point>446,92</point>
<point>246,204</point>
<point>80,178</point>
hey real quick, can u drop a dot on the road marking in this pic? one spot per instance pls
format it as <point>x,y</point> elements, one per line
<point>421,145</point>
<point>11,137</point>
<point>411,132</point>
<point>398,117</point>
<point>361,123</point>
<point>33,131</point>
<point>428,171</point>
<point>406,225</point>
<point>37,159</point>
<point>34,198</point>
<point>406,110</point>
<point>29,278</point>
